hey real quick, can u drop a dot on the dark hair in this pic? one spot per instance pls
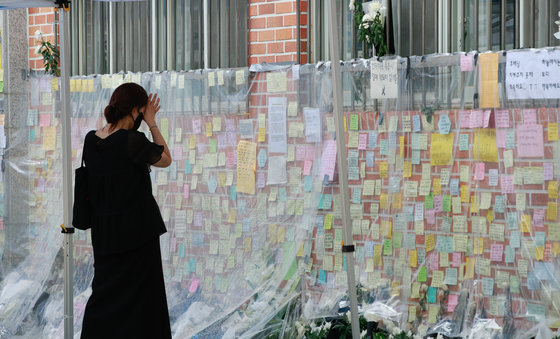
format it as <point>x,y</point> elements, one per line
<point>124,99</point>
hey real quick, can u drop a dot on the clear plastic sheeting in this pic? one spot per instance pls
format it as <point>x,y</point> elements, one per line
<point>453,169</point>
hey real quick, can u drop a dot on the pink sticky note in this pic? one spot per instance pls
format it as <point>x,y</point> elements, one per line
<point>44,120</point>
<point>466,63</point>
<point>230,161</point>
<point>186,191</point>
<point>457,257</point>
<point>452,301</point>
<point>434,261</point>
<point>487,115</point>
<point>194,285</point>
<point>479,173</point>
<point>530,116</point>
<point>431,216</point>
<point>328,160</point>
<point>538,217</point>
<point>465,119</point>
<point>230,125</point>
<point>548,171</point>
<point>438,203</point>
<point>197,126</point>
<point>300,153</point>
<point>309,152</point>
<point>178,153</point>
<point>260,180</point>
<point>362,141</point>
<point>506,182</point>
<point>530,141</point>
<point>307,167</point>
<point>502,118</point>
<point>496,251</point>
<point>501,138</point>
<point>475,120</point>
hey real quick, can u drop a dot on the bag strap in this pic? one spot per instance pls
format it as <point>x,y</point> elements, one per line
<point>83,153</point>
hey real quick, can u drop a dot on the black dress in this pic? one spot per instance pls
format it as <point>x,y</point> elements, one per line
<point>128,292</point>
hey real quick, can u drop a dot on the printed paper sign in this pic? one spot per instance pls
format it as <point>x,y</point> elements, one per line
<point>384,79</point>
<point>533,75</point>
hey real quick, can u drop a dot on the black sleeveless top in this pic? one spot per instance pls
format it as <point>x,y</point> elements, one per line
<point>125,213</point>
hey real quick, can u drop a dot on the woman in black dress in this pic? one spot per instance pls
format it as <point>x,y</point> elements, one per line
<point>128,298</point>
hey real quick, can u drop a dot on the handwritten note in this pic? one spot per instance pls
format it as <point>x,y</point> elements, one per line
<point>530,141</point>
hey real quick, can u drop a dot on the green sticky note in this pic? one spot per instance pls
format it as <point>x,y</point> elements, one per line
<point>354,122</point>
<point>397,240</point>
<point>446,203</point>
<point>1,86</point>
<point>289,263</point>
<point>423,274</point>
<point>429,202</point>
<point>213,145</point>
<point>388,247</point>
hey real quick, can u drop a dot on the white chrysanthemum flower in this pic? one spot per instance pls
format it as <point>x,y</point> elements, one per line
<point>439,336</point>
<point>370,317</point>
<point>38,35</point>
<point>423,287</point>
<point>363,334</point>
<point>368,17</point>
<point>365,25</point>
<point>397,330</point>
<point>328,325</point>
<point>38,49</point>
<point>352,5</point>
<point>557,34</point>
<point>374,7</point>
<point>389,326</point>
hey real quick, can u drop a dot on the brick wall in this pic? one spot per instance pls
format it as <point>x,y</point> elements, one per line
<point>39,19</point>
<point>273,31</point>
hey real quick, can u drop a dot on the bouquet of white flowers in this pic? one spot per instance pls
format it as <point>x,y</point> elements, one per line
<point>370,24</point>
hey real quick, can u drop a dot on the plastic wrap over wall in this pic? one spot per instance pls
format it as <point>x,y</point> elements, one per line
<point>238,200</point>
<point>31,206</point>
<point>452,166</point>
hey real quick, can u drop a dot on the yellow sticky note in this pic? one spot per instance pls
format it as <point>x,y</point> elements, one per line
<point>412,258</point>
<point>552,189</point>
<point>72,85</point>
<point>430,242</point>
<point>441,149</point>
<point>384,169</point>
<point>54,84</point>
<point>79,87</point>
<point>328,221</point>
<point>407,169</point>
<point>401,143</point>
<point>539,252</point>
<point>192,141</point>
<point>552,131</point>
<point>488,75</point>
<point>437,186</point>
<point>208,129</point>
<point>262,135</point>
<point>552,211</point>
<point>276,82</point>
<point>484,147</point>
<point>411,313</point>
<point>525,223</point>
<point>49,138</point>
<point>246,165</point>
<point>469,268</point>
<point>384,201</point>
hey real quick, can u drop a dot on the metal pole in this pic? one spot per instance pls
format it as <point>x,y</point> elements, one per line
<point>111,38</point>
<point>65,63</point>
<point>154,36</point>
<point>503,26</point>
<point>342,166</point>
<point>206,18</point>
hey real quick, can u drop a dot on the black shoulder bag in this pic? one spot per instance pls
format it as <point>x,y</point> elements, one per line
<point>82,210</point>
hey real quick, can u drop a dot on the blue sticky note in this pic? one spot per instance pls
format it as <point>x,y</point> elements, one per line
<point>282,194</point>
<point>510,139</point>
<point>444,124</point>
<point>181,250</point>
<point>415,158</point>
<point>308,181</point>
<point>499,204</point>
<point>487,286</point>
<point>509,254</point>
<point>322,277</point>
<point>188,168</point>
<point>515,239</point>
<point>392,140</point>
<point>261,158</point>
<point>357,195</point>
<point>512,221</point>
<point>212,184</point>
<point>372,139</point>
<point>533,283</point>
<point>241,205</point>
<point>246,225</point>
<point>540,238</point>
<point>370,159</point>
<point>321,202</point>
<point>432,292</point>
<point>454,186</point>
<point>545,270</point>
<point>192,265</point>
<point>233,193</point>
<point>383,147</point>
<point>416,126</point>
<point>32,135</point>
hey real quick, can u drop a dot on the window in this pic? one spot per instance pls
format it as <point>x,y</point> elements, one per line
<point>136,36</point>
<point>422,27</point>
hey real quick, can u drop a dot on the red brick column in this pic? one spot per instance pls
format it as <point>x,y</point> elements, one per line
<point>273,31</point>
<point>41,19</point>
